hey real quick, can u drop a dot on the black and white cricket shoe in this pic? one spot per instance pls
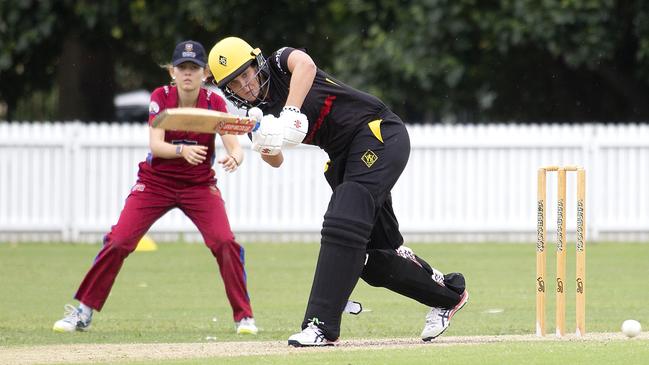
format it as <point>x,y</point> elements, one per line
<point>309,337</point>
<point>438,319</point>
<point>73,320</point>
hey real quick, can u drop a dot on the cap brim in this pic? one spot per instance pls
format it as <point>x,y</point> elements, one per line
<point>192,60</point>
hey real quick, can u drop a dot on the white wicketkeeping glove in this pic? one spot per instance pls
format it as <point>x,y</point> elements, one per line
<point>295,125</point>
<point>267,137</point>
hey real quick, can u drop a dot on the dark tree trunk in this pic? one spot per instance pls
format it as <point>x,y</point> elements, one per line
<point>86,81</point>
<point>11,102</point>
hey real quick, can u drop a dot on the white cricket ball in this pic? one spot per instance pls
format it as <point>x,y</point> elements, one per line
<point>256,114</point>
<point>631,328</point>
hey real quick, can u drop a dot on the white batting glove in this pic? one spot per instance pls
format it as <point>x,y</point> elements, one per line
<point>295,125</point>
<point>267,137</point>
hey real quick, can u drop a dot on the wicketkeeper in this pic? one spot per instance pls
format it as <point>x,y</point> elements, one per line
<point>368,146</point>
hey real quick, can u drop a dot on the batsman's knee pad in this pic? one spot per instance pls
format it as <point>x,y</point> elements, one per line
<point>455,281</point>
<point>350,216</point>
<point>380,265</point>
<point>386,268</point>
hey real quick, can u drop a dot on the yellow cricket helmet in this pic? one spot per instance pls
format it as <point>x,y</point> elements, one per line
<point>231,56</point>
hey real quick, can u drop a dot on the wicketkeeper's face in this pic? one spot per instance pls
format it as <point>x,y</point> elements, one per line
<point>246,85</point>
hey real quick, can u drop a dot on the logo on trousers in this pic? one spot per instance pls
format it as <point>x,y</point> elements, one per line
<point>369,158</point>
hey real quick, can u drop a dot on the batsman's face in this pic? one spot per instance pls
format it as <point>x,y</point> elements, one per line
<point>246,85</point>
<point>188,76</point>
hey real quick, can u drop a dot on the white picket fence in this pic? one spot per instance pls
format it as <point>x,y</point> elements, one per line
<point>68,181</point>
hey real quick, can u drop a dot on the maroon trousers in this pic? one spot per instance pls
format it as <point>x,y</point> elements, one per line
<point>146,203</point>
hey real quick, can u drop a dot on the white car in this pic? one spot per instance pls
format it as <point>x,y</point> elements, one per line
<point>132,106</point>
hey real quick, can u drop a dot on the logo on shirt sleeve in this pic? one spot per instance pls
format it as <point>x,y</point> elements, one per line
<point>278,54</point>
<point>154,108</point>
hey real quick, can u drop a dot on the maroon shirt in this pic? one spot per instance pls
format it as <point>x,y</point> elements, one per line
<point>177,169</point>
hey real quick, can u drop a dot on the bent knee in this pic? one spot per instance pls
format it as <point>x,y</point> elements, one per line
<point>222,242</point>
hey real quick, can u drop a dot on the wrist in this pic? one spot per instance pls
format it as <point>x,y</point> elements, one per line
<point>290,108</point>
<point>179,149</point>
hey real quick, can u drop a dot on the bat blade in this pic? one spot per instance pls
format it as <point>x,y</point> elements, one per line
<point>203,121</point>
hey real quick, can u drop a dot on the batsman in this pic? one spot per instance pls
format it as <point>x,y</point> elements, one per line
<point>368,147</point>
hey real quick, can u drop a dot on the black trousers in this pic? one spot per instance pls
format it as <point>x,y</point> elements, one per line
<point>379,177</point>
<point>356,244</point>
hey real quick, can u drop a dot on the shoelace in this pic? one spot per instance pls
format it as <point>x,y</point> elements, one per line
<point>437,313</point>
<point>71,314</point>
<point>247,321</point>
<point>317,332</point>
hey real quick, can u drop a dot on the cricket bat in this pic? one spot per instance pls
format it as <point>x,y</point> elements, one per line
<point>203,121</point>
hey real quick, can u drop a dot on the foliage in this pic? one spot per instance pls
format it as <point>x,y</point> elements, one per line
<point>434,60</point>
<point>26,52</point>
<point>509,59</point>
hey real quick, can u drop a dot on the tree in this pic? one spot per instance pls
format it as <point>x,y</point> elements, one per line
<point>26,52</point>
<point>89,50</point>
<point>525,60</point>
<point>430,60</point>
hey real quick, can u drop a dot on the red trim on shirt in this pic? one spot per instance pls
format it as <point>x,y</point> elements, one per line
<point>324,111</point>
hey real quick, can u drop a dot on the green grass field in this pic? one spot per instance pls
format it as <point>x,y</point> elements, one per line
<point>175,295</point>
